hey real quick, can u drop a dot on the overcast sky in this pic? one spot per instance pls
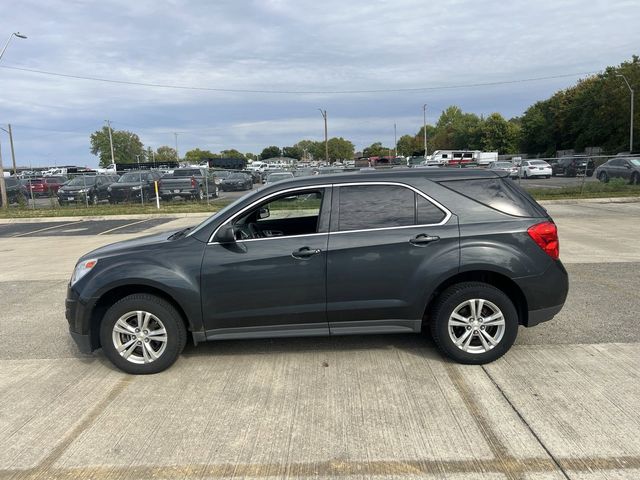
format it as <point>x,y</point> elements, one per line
<point>286,45</point>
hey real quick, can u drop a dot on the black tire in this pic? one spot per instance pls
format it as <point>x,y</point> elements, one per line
<point>200,196</point>
<point>603,177</point>
<point>176,333</point>
<point>635,179</point>
<point>450,300</point>
<point>94,199</point>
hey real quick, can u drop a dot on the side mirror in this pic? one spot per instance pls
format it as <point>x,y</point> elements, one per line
<point>263,213</point>
<point>226,234</point>
<point>627,166</point>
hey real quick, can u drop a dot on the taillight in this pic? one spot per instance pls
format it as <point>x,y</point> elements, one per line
<point>194,184</point>
<point>545,234</point>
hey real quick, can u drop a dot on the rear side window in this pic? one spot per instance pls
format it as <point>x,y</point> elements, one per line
<point>500,194</point>
<point>365,207</point>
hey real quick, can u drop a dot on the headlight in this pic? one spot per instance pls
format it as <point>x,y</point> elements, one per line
<point>108,189</point>
<point>82,269</point>
<point>83,190</point>
<point>137,187</point>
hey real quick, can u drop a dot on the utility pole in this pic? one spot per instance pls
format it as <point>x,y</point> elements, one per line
<point>424,128</point>
<point>113,159</point>
<point>326,137</point>
<point>13,154</point>
<point>631,122</point>
<point>175,134</point>
<point>395,141</point>
<point>3,186</point>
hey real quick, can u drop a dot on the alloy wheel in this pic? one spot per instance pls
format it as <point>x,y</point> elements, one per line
<point>476,326</point>
<point>139,337</point>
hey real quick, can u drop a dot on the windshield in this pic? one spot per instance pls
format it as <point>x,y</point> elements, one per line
<point>190,172</point>
<point>222,174</point>
<point>132,177</point>
<point>538,162</point>
<point>79,181</point>
<point>236,176</point>
<point>502,165</point>
<point>635,162</point>
<point>274,177</point>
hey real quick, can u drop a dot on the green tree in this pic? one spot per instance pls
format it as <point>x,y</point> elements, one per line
<point>376,150</point>
<point>126,145</point>
<point>197,156</point>
<point>231,153</point>
<point>292,152</point>
<point>166,154</point>
<point>340,149</point>
<point>498,135</point>
<point>408,146</point>
<point>270,152</point>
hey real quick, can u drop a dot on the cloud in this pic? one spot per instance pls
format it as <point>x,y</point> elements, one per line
<point>287,45</point>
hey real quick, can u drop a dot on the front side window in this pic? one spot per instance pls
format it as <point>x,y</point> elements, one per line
<point>290,214</point>
<point>365,207</point>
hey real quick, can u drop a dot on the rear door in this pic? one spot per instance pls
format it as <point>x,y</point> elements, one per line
<point>388,243</point>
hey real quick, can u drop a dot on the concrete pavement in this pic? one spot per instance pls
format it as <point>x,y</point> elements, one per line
<point>561,404</point>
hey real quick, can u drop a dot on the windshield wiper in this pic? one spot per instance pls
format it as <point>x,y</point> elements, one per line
<point>179,233</point>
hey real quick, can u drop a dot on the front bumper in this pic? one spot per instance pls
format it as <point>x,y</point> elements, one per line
<point>77,314</point>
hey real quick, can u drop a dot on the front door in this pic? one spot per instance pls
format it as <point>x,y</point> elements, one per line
<point>272,280</point>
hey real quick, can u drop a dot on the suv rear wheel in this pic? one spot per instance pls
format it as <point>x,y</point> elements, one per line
<point>142,334</point>
<point>474,323</point>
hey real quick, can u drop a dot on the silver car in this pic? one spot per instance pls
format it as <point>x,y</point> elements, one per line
<point>505,167</point>
<point>627,168</point>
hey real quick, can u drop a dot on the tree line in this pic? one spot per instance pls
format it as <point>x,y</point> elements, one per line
<point>593,113</point>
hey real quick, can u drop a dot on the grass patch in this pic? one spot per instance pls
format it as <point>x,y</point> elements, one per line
<point>81,210</point>
<point>616,187</point>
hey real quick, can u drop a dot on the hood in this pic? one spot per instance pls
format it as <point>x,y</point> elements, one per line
<point>73,188</point>
<point>128,246</point>
<point>121,185</point>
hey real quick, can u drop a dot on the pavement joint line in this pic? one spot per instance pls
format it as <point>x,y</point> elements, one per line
<point>524,421</point>
<point>123,226</point>
<point>43,469</point>
<point>24,234</point>
<point>325,468</point>
<point>497,447</point>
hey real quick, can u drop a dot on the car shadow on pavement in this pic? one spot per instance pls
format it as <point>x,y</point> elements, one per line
<point>416,344</point>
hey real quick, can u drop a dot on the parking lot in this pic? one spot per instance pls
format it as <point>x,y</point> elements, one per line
<point>561,404</point>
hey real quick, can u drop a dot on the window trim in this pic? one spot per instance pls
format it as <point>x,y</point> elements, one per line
<point>444,221</point>
<point>416,191</point>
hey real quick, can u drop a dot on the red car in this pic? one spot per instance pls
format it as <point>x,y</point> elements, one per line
<point>45,186</point>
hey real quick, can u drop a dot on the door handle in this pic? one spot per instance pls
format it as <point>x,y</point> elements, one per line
<point>305,252</point>
<point>423,239</point>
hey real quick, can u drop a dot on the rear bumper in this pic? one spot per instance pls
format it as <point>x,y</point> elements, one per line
<point>545,294</point>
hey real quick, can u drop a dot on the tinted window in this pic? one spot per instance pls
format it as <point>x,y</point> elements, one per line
<point>618,162</point>
<point>10,182</point>
<point>375,206</point>
<point>427,212</point>
<point>500,194</point>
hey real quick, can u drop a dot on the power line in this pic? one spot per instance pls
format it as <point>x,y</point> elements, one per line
<point>293,92</point>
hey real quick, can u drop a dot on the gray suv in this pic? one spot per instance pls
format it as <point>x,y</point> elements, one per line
<point>465,254</point>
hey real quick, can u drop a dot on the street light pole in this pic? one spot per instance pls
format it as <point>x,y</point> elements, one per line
<point>424,128</point>
<point>14,34</point>
<point>175,134</point>
<point>3,186</point>
<point>631,120</point>
<point>326,139</point>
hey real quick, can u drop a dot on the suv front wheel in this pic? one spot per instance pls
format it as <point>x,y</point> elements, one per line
<point>474,323</point>
<point>142,334</point>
